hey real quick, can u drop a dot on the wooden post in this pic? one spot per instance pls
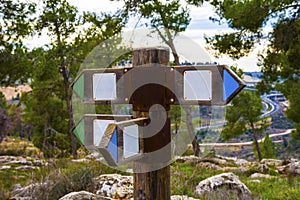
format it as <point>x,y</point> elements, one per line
<point>148,184</point>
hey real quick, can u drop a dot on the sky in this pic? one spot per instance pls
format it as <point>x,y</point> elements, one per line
<point>199,26</point>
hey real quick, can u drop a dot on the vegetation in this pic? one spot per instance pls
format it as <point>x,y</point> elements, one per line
<point>280,60</point>
<point>245,114</point>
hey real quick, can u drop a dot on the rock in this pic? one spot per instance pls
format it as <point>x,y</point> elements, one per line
<point>292,168</point>
<point>259,175</point>
<point>222,185</point>
<point>229,169</point>
<point>262,168</point>
<point>26,167</point>
<point>179,197</point>
<point>271,162</point>
<point>255,181</point>
<point>31,191</point>
<point>83,195</point>
<point>234,160</point>
<point>217,161</point>
<point>21,161</point>
<point>81,160</point>
<point>114,185</point>
<point>5,167</point>
<point>207,165</point>
<point>188,159</point>
<point>241,162</point>
<point>8,160</point>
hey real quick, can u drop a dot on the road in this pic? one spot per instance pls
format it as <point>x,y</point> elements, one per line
<point>287,132</point>
<point>274,106</point>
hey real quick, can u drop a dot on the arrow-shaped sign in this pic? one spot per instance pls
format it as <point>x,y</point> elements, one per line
<point>91,128</point>
<point>123,141</point>
<point>203,85</point>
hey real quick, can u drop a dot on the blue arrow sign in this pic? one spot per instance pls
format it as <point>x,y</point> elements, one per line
<point>113,145</point>
<point>121,141</point>
<point>231,85</point>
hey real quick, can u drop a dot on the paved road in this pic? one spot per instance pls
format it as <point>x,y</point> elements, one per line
<point>246,143</point>
<point>274,106</point>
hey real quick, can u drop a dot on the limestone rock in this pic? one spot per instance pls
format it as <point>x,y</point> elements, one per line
<point>271,162</point>
<point>8,160</point>
<point>259,175</point>
<point>207,165</point>
<point>114,185</point>
<point>179,197</point>
<point>5,167</point>
<point>31,191</point>
<point>83,195</point>
<point>262,168</point>
<point>188,159</point>
<point>26,167</point>
<point>255,181</point>
<point>292,168</point>
<point>226,184</point>
<point>241,162</point>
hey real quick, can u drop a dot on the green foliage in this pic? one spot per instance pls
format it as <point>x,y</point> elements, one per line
<point>267,148</point>
<point>246,109</point>
<point>245,114</point>
<point>16,24</point>
<point>280,60</point>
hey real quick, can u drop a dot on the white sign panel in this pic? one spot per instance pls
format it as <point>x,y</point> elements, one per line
<point>131,140</point>
<point>197,85</point>
<point>99,128</point>
<point>104,86</point>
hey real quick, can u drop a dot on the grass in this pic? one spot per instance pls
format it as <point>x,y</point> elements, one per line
<point>276,188</point>
<point>66,176</point>
<point>18,147</point>
<point>185,177</point>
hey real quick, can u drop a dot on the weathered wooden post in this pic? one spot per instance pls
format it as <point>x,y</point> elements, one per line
<point>150,184</point>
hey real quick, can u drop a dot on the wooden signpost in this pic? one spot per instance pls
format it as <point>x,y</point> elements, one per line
<point>150,82</point>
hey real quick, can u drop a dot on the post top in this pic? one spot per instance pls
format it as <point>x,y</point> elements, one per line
<point>152,48</point>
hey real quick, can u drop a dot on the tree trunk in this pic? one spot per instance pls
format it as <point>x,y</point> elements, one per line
<point>69,108</point>
<point>256,142</point>
<point>189,118</point>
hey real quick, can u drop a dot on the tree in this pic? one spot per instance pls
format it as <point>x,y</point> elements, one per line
<point>16,24</point>
<point>280,60</point>
<point>5,120</point>
<point>55,65</point>
<point>168,18</point>
<point>244,114</point>
<point>267,147</point>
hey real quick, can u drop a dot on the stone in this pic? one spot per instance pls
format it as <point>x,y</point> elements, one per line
<point>226,185</point>
<point>83,195</point>
<point>114,185</point>
<point>188,159</point>
<point>208,165</point>
<point>30,191</point>
<point>241,162</point>
<point>255,181</point>
<point>259,175</point>
<point>26,167</point>
<point>271,162</point>
<point>292,168</point>
<point>184,197</point>
<point>5,167</point>
<point>262,168</point>
<point>81,160</point>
